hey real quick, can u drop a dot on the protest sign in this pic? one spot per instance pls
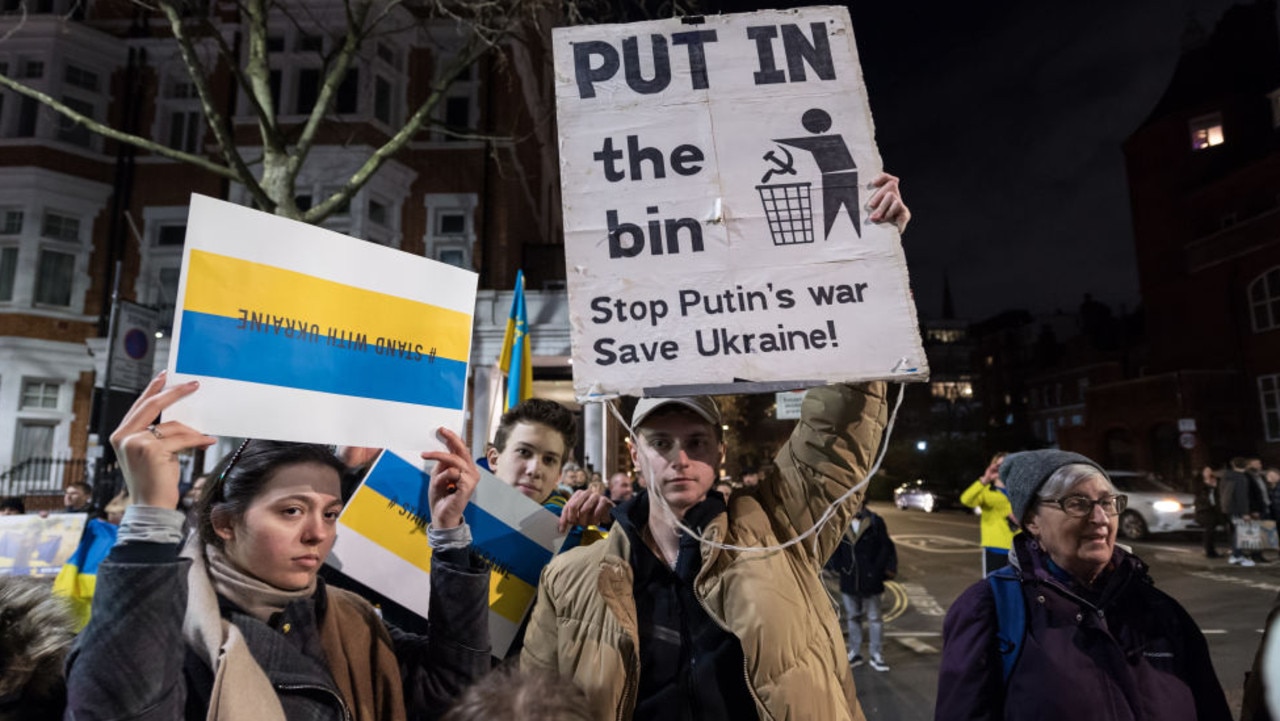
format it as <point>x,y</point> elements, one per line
<point>715,176</point>
<point>35,546</point>
<point>297,333</point>
<point>382,542</point>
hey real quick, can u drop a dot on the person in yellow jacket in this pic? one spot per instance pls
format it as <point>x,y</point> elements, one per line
<point>998,522</point>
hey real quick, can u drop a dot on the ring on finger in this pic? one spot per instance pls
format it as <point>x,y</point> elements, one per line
<point>155,431</point>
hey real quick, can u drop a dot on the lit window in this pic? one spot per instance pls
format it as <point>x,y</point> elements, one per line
<point>1264,299</point>
<point>39,394</point>
<point>1269,397</point>
<point>1206,131</point>
<point>952,390</point>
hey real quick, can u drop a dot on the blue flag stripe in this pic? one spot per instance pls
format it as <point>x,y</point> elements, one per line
<point>492,538</point>
<point>212,345</point>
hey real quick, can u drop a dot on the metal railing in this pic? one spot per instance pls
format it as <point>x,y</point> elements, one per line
<point>45,476</point>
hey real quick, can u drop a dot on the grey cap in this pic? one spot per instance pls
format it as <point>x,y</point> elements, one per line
<point>1024,473</point>
<point>704,406</point>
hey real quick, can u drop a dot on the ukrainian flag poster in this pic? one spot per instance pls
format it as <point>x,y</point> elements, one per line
<point>298,333</point>
<point>382,542</point>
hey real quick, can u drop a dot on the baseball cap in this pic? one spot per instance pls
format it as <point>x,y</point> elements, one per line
<point>704,406</point>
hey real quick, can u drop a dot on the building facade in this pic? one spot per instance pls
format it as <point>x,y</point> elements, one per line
<point>81,215</point>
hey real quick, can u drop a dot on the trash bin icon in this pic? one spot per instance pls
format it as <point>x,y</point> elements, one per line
<point>789,209</point>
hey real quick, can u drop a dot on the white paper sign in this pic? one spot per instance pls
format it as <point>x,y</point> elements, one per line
<point>715,178</point>
<point>297,333</point>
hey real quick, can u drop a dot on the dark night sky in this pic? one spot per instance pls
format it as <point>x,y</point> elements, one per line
<point>1005,122</point>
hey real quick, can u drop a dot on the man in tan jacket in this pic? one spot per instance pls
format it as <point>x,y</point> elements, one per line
<point>652,624</point>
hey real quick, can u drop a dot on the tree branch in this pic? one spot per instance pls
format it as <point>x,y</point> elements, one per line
<point>107,131</point>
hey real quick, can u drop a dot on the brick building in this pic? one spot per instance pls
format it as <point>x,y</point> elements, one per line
<point>479,189</point>
<point>1204,178</point>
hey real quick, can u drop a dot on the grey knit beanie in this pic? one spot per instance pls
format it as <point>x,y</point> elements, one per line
<point>1024,473</point>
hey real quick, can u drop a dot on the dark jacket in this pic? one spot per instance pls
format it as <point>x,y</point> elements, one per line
<point>132,661</point>
<point>1238,494</point>
<point>1125,651</point>
<point>1208,511</point>
<point>865,560</point>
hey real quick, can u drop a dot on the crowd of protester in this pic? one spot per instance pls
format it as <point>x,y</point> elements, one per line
<point>682,594</point>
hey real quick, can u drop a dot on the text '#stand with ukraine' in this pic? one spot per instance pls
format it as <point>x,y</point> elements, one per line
<point>382,542</point>
<point>298,333</point>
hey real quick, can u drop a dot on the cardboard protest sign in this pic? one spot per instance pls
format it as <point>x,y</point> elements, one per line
<point>715,177</point>
<point>297,333</point>
<point>35,546</point>
<point>382,542</point>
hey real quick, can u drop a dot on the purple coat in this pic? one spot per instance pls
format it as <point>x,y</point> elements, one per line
<point>1124,651</point>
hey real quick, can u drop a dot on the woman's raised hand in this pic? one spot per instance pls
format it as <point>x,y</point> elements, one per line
<point>148,451</point>
<point>453,480</point>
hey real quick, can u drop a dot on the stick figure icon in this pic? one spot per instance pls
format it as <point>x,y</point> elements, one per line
<point>839,172</point>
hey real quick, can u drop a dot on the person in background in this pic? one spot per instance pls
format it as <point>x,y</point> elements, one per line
<point>620,488</point>
<point>1239,502</point>
<point>1207,511</point>
<point>236,625</point>
<point>724,488</point>
<point>12,506</point>
<point>750,477</point>
<point>36,632</point>
<point>865,559</point>
<point>1260,497</point>
<point>1272,476</point>
<point>998,524</point>
<point>1097,639</point>
<point>75,498</point>
<point>509,694</point>
<point>528,453</point>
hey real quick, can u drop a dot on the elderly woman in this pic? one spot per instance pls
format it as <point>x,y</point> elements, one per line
<point>1094,639</point>
<point>234,624</point>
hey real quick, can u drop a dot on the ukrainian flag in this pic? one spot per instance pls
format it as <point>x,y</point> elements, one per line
<point>78,577</point>
<point>382,543</point>
<point>252,322</point>
<point>516,360</point>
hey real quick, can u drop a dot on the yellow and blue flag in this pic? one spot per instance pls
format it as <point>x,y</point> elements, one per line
<point>383,542</point>
<point>516,360</point>
<point>78,577</point>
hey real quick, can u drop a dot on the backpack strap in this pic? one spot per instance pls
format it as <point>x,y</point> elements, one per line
<point>1011,615</point>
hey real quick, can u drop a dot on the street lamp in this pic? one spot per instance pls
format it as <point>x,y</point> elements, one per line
<point>922,445</point>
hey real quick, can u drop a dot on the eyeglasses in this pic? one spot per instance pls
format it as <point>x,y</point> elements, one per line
<point>1081,507</point>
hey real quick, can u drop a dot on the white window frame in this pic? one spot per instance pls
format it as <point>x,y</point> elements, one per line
<point>44,384</point>
<point>73,247</point>
<point>439,245</point>
<point>1269,405</point>
<point>465,87</point>
<point>1269,304</point>
<point>176,97</point>
<point>158,258</point>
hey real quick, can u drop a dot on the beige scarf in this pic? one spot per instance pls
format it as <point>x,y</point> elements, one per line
<point>357,648</point>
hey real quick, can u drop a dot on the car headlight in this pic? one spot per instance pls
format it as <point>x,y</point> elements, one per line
<point>1167,506</point>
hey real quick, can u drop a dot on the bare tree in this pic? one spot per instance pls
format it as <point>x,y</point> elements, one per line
<point>203,36</point>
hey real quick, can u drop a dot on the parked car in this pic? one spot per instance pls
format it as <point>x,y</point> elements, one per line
<point>924,495</point>
<point>1153,507</point>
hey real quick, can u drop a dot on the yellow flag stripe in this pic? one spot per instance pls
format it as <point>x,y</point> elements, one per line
<point>278,298</point>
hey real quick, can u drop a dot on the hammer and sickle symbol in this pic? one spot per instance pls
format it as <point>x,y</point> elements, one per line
<point>783,167</point>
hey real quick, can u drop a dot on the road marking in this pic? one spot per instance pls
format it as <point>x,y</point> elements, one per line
<point>899,604</point>
<point>1167,549</point>
<point>919,597</point>
<point>1238,580</point>
<point>916,645</point>
<point>1213,631</point>
<point>936,544</point>
<point>910,634</point>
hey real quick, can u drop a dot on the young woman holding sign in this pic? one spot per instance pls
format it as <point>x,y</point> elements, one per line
<point>234,624</point>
